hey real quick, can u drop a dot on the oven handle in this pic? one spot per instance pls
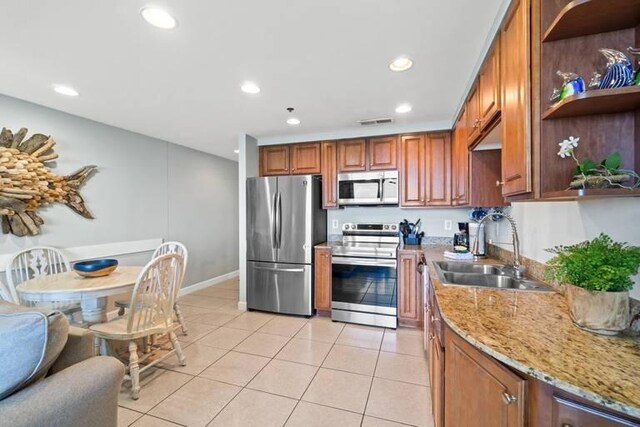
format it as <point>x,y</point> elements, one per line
<point>376,262</point>
<point>281,270</point>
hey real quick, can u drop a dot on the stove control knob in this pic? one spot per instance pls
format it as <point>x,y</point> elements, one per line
<point>386,227</point>
<point>393,227</point>
<point>346,226</point>
<point>353,227</point>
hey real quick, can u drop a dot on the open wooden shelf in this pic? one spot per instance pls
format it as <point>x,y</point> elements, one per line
<point>597,101</point>
<point>585,17</point>
<point>596,193</point>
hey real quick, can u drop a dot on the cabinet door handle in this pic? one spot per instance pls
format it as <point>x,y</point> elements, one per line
<point>508,398</point>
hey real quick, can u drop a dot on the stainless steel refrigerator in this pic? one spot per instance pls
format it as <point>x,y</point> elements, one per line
<point>285,220</point>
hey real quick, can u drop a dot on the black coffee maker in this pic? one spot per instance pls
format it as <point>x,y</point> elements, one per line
<point>461,238</point>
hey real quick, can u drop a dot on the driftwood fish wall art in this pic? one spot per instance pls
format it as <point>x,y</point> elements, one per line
<point>26,183</point>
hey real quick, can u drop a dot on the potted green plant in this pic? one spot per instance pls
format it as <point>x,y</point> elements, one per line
<point>597,275</point>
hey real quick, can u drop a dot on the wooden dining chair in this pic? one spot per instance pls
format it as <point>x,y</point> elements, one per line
<point>150,313</point>
<point>36,262</point>
<point>166,248</point>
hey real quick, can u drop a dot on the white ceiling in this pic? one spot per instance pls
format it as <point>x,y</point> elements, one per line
<point>327,58</point>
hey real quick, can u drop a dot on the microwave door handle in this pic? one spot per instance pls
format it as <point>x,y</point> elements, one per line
<point>381,189</point>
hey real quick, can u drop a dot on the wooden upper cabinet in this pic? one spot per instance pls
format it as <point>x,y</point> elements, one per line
<point>516,117</point>
<point>412,170</point>
<point>489,95</point>
<point>383,152</point>
<point>352,155</point>
<point>322,279</point>
<point>473,115</point>
<point>274,160</point>
<point>460,163</point>
<point>438,176</point>
<point>305,159</point>
<point>410,308</point>
<point>479,390</point>
<point>328,151</point>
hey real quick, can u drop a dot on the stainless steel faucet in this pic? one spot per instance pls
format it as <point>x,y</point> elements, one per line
<point>517,262</point>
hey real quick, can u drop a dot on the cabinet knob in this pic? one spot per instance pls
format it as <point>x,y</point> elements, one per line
<point>499,183</point>
<point>508,398</point>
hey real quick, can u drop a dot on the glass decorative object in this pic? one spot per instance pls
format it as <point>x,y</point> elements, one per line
<point>572,85</point>
<point>619,70</point>
<point>636,52</point>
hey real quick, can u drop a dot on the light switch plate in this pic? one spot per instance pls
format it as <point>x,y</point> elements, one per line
<point>448,224</point>
<point>334,224</point>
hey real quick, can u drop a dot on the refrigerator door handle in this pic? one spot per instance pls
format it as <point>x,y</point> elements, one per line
<point>274,238</point>
<point>281,270</point>
<point>279,219</point>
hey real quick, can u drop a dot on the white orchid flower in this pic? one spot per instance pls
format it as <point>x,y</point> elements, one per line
<point>567,146</point>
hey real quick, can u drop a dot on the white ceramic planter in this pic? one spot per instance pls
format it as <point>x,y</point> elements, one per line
<point>605,313</point>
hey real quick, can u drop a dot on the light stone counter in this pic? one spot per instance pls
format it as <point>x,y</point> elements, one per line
<point>533,333</point>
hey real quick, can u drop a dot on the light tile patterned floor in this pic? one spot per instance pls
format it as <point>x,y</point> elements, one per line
<point>260,369</point>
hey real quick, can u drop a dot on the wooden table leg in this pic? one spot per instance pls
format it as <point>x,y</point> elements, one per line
<point>94,310</point>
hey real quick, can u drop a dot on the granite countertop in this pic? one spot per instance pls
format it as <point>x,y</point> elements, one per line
<point>533,333</point>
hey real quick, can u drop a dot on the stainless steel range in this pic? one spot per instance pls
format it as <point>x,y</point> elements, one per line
<point>364,279</point>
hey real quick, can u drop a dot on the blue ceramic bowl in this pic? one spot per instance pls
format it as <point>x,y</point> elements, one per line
<point>96,267</point>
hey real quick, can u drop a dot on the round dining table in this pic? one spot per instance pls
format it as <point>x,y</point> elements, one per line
<point>92,292</point>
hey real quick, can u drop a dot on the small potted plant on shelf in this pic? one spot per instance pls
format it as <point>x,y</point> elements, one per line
<point>606,174</point>
<point>597,278</point>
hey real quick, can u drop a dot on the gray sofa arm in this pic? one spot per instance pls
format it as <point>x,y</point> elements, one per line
<point>85,394</point>
<point>80,346</point>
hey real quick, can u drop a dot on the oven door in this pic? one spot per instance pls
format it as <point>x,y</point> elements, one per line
<point>364,285</point>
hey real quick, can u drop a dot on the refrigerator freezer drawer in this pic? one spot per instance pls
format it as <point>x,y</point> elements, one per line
<point>279,288</point>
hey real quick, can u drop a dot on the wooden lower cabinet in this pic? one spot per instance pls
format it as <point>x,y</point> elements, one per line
<point>568,413</point>
<point>479,391</point>
<point>436,378</point>
<point>322,279</point>
<point>410,306</point>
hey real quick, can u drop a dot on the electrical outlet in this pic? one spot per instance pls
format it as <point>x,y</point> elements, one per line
<point>334,224</point>
<point>448,224</point>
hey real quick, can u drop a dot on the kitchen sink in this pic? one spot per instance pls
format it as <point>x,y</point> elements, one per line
<point>485,276</point>
<point>463,267</point>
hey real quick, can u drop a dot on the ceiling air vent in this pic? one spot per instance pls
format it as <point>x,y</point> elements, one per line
<point>380,121</point>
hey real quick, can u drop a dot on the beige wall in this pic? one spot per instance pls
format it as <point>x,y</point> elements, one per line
<point>543,225</point>
<point>145,188</point>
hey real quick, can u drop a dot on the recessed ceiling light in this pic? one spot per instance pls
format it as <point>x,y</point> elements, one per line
<point>403,108</point>
<point>65,90</point>
<point>250,87</point>
<point>293,121</point>
<point>158,18</point>
<point>236,151</point>
<point>401,63</point>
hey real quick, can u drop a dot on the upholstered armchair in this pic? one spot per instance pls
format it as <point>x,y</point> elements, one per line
<point>44,386</point>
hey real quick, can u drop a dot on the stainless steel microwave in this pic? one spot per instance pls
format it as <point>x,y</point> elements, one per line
<point>368,188</point>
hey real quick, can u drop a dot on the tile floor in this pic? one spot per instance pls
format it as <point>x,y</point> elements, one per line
<point>259,369</point>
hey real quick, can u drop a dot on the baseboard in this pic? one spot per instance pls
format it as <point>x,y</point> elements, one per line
<point>242,305</point>
<point>209,282</point>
